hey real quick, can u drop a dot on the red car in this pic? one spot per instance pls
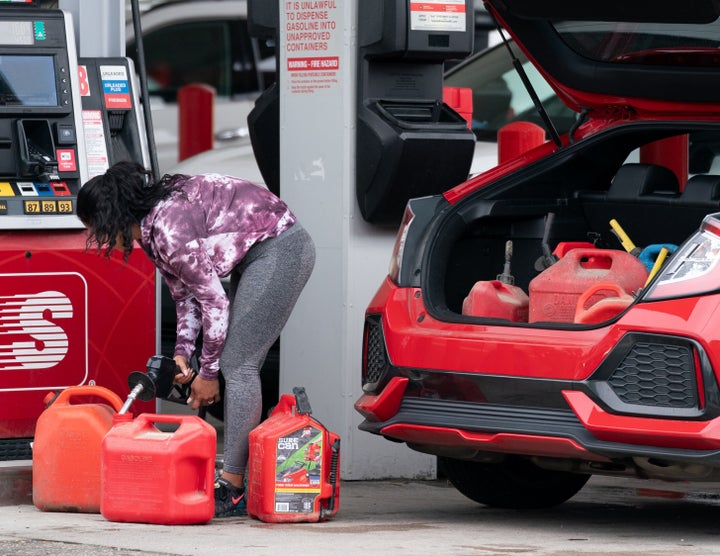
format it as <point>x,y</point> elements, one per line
<point>559,315</point>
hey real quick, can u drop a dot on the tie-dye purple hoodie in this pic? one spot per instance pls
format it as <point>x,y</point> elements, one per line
<point>197,236</point>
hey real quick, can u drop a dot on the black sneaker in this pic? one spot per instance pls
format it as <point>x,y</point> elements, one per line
<point>229,499</point>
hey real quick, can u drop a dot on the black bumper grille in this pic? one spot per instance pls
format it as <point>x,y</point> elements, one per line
<point>13,449</point>
<point>656,375</point>
<point>375,357</point>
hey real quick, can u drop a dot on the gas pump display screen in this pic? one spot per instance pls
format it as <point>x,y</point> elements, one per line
<point>27,80</point>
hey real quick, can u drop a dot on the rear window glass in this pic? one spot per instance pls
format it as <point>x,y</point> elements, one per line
<point>500,97</point>
<point>644,43</point>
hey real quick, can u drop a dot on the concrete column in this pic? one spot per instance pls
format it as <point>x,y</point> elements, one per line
<point>321,345</point>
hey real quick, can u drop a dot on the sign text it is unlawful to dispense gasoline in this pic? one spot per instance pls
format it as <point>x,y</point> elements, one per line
<point>310,33</point>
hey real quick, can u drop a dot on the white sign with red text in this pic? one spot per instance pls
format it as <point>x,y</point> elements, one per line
<point>98,160</point>
<point>438,15</point>
<point>312,45</point>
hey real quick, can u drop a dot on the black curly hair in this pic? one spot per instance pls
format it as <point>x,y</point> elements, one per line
<point>109,204</point>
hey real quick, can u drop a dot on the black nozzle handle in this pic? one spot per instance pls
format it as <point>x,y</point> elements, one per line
<point>301,400</point>
<point>161,371</point>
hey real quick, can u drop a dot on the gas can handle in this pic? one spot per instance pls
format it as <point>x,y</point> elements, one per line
<point>64,397</point>
<point>592,290</point>
<point>301,400</point>
<point>150,419</point>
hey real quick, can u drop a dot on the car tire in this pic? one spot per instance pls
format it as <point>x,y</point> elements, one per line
<point>514,483</point>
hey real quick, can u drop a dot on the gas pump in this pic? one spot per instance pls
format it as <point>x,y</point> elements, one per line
<point>111,121</point>
<point>409,142</point>
<point>40,148</point>
<point>67,316</point>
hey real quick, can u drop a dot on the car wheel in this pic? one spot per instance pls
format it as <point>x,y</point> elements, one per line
<point>515,483</point>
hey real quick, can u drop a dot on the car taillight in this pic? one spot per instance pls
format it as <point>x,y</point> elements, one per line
<point>399,247</point>
<point>694,268</point>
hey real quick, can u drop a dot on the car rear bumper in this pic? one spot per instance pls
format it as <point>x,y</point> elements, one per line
<point>581,431</point>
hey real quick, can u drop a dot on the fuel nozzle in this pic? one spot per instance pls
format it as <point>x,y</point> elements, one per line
<point>506,277</point>
<point>156,381</point>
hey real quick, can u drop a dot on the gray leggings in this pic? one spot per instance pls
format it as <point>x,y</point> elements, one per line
<point>264,288</point>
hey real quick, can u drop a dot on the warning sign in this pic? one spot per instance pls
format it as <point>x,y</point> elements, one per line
<point>437,15</point>
<point>95,144</point>
<point>311,37</point>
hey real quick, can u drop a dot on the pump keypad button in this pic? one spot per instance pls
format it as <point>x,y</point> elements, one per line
<point>44,189</point>
<point>27,189</point>
<point>65,134</point>
<point>6,189</point>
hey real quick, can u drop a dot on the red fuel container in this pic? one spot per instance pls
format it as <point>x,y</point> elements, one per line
<point>495,299</point>
<point>293,470</point>
<point>604,309</point>
<point>66,449</point>
<point>554,293</point>
<point>153,476</point>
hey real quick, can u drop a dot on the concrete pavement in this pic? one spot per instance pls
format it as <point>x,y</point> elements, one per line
<point>373,519</point>
<point>609,517</point>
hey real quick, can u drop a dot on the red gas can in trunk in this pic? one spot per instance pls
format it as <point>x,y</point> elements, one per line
<point>554,293</point>
<point>66,449</point>
<point>149,475</point>
<point>293,471</point>
<point>499,299</point>
<point>495,299</point>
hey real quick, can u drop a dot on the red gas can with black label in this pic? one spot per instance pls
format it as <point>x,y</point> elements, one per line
<point>293,470</point>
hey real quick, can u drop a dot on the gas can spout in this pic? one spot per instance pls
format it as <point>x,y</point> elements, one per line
<point>131,398</point>
<point>506,277</point>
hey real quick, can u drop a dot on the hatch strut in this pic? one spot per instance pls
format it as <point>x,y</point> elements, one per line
<point>528,86</point>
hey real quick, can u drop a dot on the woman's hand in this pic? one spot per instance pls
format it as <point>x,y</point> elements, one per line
<point>203,392</point>
<point>186,374</point>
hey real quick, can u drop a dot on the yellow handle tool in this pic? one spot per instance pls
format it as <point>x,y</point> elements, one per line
<point>625,240</point>
<point>662,255</point>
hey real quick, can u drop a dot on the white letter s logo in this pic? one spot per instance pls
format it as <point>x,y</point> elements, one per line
<point>29,337</point>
